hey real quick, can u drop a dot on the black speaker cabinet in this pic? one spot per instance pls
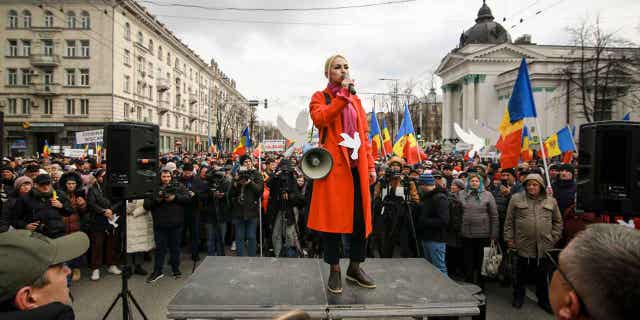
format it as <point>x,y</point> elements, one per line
<point>132,160</point>
<point>609,168</point>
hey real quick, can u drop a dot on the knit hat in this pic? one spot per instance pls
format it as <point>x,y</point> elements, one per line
<point>426,180</point>
<point>459,183</point>
<point>20,181</point>
<point>327,64</point>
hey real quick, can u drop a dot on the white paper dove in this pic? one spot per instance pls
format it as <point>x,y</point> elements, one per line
<point>352,143</point>
<point>298,134</point>
<point>470,138</point>
<point>113,221</point>
<point>629,224</point>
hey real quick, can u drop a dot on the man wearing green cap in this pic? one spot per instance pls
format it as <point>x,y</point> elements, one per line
<point>33,278</point>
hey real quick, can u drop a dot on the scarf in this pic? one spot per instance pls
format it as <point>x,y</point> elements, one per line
<point>349,115</point>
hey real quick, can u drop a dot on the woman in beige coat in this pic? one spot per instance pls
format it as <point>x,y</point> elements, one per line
<point>140,237</point>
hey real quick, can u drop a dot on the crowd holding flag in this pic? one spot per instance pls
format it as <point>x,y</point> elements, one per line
<point>375,136</point>
<point>559,143</point>
<point>46,151</point>
<point>526,154</point>
<point>244,144</point>
<point>406,145</point>
<point>386,138</point>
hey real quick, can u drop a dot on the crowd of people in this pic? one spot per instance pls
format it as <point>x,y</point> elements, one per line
<point>445,209</point>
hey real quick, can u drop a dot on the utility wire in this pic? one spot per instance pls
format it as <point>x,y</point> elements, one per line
<point>366,5</point>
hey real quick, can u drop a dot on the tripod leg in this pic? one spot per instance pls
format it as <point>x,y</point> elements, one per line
<point>135,303</point>
<point>113,304</point>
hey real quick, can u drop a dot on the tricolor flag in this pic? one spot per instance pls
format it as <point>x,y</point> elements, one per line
<point>375,136</point>
<point>521,105</point>
<point>386,138</point>
<point>256,153</point>
<point>526,154</point>
<point>244,144</point>
<point>46,150</point>
<point>98,153</point>
<point>627,117</point>
<point>406,145</point>
<point>85,153</point>
<point>559,142</point>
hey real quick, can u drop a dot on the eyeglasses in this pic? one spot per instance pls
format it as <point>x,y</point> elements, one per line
<point>553,256</point>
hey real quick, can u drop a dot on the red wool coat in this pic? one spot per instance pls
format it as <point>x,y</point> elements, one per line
<point>331,207</point>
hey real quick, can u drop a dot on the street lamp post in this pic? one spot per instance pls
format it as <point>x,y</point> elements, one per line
<point>396,106</point>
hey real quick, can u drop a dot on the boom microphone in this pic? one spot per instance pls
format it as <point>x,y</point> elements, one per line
<point>352,88</point>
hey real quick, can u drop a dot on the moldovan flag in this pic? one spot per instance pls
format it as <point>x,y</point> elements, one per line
<point>374,135</point>
<point>256,153</point>
<point>406,145</point>
<point>85,153</point>
<point>244,144</point>
<point>46,150</point>
<point>559,142</point>
<point>526,154</point>
<point>386,138</point>
<point>212,146</point>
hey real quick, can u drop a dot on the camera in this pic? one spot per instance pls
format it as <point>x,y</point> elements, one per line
<point>216,180</point>
<point>245,175</point>
<point>167,191</point>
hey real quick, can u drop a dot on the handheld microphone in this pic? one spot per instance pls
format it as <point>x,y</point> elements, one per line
<point>352,88</point>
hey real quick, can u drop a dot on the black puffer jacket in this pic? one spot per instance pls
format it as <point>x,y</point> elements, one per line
<point>52,311</point>
<point>169,214</point>
<point>433,218</point>
<point>34,208</point>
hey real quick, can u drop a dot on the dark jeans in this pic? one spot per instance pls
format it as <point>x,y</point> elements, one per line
<point>331,241</point>
<point>167,238</point>
<point>473,252</point>
<point>215,238</point>
<point>532,270</point>
<point>246,231</point>
<point>192,226</point>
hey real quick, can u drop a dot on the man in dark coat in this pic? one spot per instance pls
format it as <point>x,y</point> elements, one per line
<point>244,195</point>
<point>564,189</point>
<point>192,209</point>
<point>432,221</point>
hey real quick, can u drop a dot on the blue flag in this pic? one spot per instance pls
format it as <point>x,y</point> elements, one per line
<point>406,127</point>
<point>521,104</point>
<point>565,140</point>
<point>627,117</point>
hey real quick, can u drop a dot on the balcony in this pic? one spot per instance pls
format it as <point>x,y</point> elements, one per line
<point>193,98</point>
<point>41,60</point>
<point>46,89</point>
<point>163,106</point>
<point>163,84</point>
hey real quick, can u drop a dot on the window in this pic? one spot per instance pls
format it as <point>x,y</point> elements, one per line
<point>150,69</point>
<point>126,110</point>
<point>12,77</point>
<point>140,38</point>
<point>151,93</point>
<point>168,120</point>
<point>160,55</point>
<point>71,106</point>
<point>175,122</point>
<point>13,48</point>
<point>84,48</point>
<point>26,106</point>
<point>138,88</point>
<point>127,31</point>
<point>126,57</point>
<point>169,58</point>
<point>26,77</point>
<point>149,115</point>
<point>139,113</point>
<point>48,106</point>
<point>26,48</point>
<point>84,107</point>
<point>151,45</point>
<point>71,20</point>
<point>71,48</point>
<point>48,19</point>
<point>177,64</point>
<point>71,77</point>
<point>84,77</point>
<point>85,21</point>
<point>13,106</point>
<point>26,19</point>
<point>13,19</point>
<point>48,47</point>
<point>48,77</point>
<point>127,84</point>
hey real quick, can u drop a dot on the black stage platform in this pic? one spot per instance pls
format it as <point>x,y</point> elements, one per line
<point>251,288</point>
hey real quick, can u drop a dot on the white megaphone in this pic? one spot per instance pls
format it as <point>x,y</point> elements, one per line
<point>316,163</point>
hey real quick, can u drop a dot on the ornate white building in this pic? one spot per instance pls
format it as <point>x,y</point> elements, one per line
<point>478,78</point>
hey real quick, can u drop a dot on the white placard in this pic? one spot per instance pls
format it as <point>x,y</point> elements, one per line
<point>91,136</point>
<point>73,153</point>
<point>273,145</point>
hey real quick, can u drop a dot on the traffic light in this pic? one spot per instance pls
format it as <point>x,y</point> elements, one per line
<point>265,103</point>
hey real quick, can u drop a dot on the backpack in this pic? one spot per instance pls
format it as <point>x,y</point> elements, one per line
<point>455,214</point>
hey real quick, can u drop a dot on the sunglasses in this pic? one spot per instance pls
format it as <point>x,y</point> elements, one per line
<point>553,256</point>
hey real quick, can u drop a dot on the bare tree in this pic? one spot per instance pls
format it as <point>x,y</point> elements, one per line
<point>599,76</point>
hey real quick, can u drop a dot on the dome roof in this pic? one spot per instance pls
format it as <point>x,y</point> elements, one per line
<point>485,30</point>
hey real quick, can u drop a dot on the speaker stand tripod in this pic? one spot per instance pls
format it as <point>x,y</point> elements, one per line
<point>125,294</point>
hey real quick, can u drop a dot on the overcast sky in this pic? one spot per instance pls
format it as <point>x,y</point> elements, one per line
<point>284,62</point>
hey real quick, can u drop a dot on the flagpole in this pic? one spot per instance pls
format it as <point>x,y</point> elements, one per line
<point>260,199</point>
<point>544,156</point>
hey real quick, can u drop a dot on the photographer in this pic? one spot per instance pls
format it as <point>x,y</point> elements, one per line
<point>245,195</point>
<point>215,210</point>
<point>194,187</point>
<point>41,210</point>
<point>283,196</point>
<point>167,209</point>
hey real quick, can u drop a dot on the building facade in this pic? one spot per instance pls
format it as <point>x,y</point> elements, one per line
<point>478,78</point>
<point>73,66</point>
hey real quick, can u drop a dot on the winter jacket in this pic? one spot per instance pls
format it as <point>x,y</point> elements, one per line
<point>52,311</point>
<point>98,203</point>
<point>140,236</point>
<point>480,215</point>
<point>216,210</point>
<point>565,193</point>
<point>169,214</point>
<point>245,199</point>
<point>534,224</point>
<point>32,208</point>
<point>433,216</point>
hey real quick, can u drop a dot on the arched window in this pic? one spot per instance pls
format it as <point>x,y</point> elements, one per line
<point>48,19</point>
<point>26,19</point>
<point>151,45</point>
<point>177,63</point>
<point>71,20</point>
<point>127,31</point>
<point>85,20</point>
<point>140,37</point>
<point>169,58</point>
<point>160,54</point>
<point>13,19</point>
<point>175,122</point>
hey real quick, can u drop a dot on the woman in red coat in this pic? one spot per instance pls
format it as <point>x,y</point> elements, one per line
<point>340,203</point>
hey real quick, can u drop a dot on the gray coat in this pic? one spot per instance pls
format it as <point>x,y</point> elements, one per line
<point>480,216</point>
<point>535,225</point>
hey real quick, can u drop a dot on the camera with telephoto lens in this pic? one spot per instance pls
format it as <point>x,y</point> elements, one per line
<point>166,191</point>
<point>216,180</point>
<point>245,174</point>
